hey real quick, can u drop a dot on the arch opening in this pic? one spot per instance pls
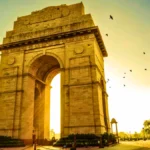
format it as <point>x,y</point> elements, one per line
<point>42,71</point>
<point>55,107</point>
<point>42,66</point>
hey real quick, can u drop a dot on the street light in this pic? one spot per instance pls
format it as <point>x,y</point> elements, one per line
<point>143,134</point>
<point>34,139</point>
<point>100,142</point>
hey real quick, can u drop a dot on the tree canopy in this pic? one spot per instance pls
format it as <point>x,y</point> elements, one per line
<point>147,126</point>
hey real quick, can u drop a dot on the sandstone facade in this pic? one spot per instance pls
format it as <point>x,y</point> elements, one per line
<point>57,39</point>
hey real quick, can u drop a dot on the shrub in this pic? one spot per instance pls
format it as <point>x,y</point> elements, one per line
<point>84,140</point>
<point>6,141</point>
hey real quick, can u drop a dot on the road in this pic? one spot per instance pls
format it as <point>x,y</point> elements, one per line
<point>121,146</point>
<point>126,147</point>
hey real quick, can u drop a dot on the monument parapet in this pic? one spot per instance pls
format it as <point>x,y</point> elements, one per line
<point>52,22</point>
<point>48,21</point>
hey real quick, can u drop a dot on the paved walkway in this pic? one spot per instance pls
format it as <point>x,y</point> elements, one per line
<point>126,147</point>
<point>122,146</point>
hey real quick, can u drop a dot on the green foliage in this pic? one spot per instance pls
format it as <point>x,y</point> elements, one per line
<point>123,135</point>
<point>132,137</point>
<point>84,140</point>
<point>6,141</point>
<point>146,128</point>
<point>146,123</point>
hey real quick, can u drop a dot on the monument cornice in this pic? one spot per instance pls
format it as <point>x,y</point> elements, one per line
<point>61,35</point>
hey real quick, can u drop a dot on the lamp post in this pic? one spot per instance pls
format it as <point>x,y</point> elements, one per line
<point>143,133</point>
<point>34,139</point>
<point>75,142</point>
<point>130,135</point>
<point>100,142</point>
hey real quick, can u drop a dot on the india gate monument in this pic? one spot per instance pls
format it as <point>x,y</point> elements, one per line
<point>57,39</point>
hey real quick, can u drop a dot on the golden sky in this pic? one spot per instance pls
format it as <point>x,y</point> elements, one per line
<point>55,104</point>
<point>128,37</point>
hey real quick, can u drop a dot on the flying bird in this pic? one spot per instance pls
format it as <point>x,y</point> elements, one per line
<point>107,81</point>
<point>124,85</point>
<point>123,77</point>
<point>144,53</point>
<point>130,70</point>
<point>145,69</point>
<point>106,34</point>
<point>111,17</point>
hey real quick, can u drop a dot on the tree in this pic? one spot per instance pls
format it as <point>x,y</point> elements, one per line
<point>123,135</point>
<point>136,135</point>
<point>146,123</point>
<point>146,127</point>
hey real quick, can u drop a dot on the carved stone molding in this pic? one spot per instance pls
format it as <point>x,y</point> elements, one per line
<point>79,49</point>
<point>48,43</point>
<point>11,60</point>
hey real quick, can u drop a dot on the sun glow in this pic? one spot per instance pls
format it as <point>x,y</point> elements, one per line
<point>55,104</point>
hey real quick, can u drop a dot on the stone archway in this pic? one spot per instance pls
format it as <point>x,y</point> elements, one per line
<point>55,39</point>
<point>41,72</point>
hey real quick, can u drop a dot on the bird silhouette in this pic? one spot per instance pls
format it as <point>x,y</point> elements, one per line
<point>106,34</point>
<point>107,80</point>
<point>124,85</point>
<point>111,17</point>
<point>130,70</point>
<point>144,53</point>
<point>145,69</point>
<point>123,77</point>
